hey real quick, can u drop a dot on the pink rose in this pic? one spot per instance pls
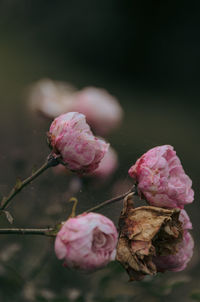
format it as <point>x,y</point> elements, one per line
<point>102,110</point>
<point>161,178</point>
<point>108,164</point>
<point>71,137</point>
<point>87,241</point>
<point>51,98</point>
<point>179,261</point>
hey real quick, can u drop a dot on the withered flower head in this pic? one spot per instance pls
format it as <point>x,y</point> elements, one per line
<point>146,232</point>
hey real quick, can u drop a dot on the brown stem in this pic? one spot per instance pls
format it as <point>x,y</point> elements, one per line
<point>19,231</point>
<point>112,200</point>
<point>51,161</point>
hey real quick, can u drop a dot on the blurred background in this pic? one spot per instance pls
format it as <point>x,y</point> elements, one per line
<point>146,54</point>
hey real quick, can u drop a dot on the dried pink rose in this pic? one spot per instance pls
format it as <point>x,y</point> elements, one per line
<point>108,164</point>
<point>87,242</point>
<point>145,233</point>
<point>178,261</point>
<point>51,98</point>
<point>161,178</point>
<point>103,112</point>
<point>70,136</point>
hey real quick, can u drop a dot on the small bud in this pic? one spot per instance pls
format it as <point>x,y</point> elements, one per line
<point>161,178</point>
<point>71,138</point>
<point>87,242</point>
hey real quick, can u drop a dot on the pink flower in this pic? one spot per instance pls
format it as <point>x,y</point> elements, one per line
<point>179,261</point>
<point>71,137</point>
<point>108,164</point>
<point>102,110</point>
<point>87,241</point>
<point>51,98</point>
<point>161,178</point>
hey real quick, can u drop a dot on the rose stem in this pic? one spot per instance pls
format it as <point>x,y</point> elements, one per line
<point>51,161</point>
<point>19,231</point>
<point>112,200</point>
<point>51,231</point>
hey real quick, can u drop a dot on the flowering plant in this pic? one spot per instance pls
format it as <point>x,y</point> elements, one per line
<point>152,238</point>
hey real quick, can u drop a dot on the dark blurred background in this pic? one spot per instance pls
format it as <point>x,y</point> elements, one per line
<point>146,53</point>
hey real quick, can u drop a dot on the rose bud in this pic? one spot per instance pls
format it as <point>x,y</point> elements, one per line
<point>87,242</point>
<point>146,232</point>
<point>103,112</point>
<point>71,138</point>
<point>51,98</point>
<point>108,165</point>
<point>161,179</point>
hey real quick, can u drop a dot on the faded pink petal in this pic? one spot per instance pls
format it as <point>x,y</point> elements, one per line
<point>108,165</point>
<point>185,219</point>
<point>179,261</point>
<point>87,241</point>
<point>71,137</point>
<point>103,112</point>
<point>51,98</point>
<point>161,178</point>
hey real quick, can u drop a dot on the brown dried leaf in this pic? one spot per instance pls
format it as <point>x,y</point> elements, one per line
<point>146,232</point>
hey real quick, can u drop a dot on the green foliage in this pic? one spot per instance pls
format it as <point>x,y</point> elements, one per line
<point>195,296</point>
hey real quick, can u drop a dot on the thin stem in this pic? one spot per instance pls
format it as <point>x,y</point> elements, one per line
<point>19,231</point>
<point>53,230</point>
<point>51,161</point>
<point>112,200</point>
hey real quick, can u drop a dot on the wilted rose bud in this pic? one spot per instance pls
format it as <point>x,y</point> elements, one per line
<point>51,98</point>
<point>108,165</point>
<point>179,260</point>
<point>102,110</point>
<point>146,232</point>
<point>71,137</point>
<point>161,178</point>
<point>87,242</point>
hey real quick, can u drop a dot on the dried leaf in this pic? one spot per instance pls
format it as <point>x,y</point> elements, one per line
<point>146,232</point>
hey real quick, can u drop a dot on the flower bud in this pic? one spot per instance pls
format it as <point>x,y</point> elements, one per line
<point>71,138</point>
<point>161,178</point>
<point>102,110</point>
<point>87,242</point>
